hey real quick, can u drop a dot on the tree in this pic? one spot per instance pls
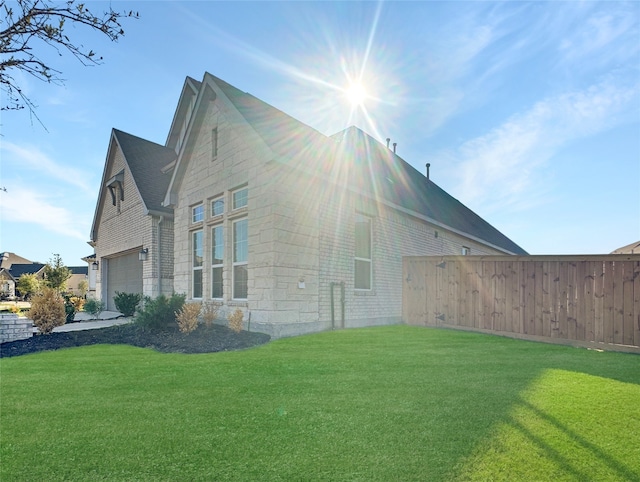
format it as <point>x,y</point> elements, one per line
<point>28,22</point>
<point>56,274</point>
<point>28,284</point>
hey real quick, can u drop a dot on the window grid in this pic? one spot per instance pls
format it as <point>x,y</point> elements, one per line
<point>240,198</point>
<point>240,256</point>
<point>197,213</point>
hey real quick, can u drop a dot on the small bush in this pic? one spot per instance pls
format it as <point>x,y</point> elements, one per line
<point>126,303</point>
<point>187,317</point>
<point>159,314</point>
<point>235,320</point>
<point>78,302</point>
<point>69,307</point>
<point>210,313</point>
<point>47,310</point>
<point>94,307</point>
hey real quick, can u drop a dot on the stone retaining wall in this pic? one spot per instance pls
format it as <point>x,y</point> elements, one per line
<point>12,327</point>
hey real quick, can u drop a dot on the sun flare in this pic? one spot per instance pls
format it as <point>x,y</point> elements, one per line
<point>356,93</point>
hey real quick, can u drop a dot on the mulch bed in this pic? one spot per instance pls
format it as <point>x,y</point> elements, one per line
<point>203,340</point>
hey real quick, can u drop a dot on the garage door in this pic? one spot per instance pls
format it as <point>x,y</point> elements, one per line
<point>124,274</point>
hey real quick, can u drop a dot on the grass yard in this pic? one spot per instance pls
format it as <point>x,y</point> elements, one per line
<point>386,403</point>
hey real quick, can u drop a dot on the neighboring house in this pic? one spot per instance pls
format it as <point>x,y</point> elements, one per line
<point>633,248</point>
<point>79,274</point>
<point>301,231</point>
<point>9,277</point>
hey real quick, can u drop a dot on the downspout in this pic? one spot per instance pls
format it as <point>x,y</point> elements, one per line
<point>333,318</point>
<point>333,305</point>
<point>158,255</point>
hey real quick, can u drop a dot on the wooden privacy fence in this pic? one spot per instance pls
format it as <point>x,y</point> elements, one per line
<point>591,299</point>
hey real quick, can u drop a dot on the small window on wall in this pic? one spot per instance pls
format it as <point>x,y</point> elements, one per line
<point>214,143</point>
<point>197,213</point>
<point>217,206</point>
<point>362,259</point>
<point>240,198</point>
<point>466,251</point>
<point>197,251</point>
<point>217,260</point>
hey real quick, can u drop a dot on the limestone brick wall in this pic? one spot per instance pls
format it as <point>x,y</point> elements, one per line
<point>394,235</point>
<point>13,327</point>
<point>125,227</point>
<point>236,164</point>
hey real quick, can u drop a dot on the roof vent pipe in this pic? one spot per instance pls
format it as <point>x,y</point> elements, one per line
<point>394,147</point>
<point>388,140</point>
<point>428,166</point>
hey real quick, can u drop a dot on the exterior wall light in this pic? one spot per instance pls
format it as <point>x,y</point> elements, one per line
<point>95,265</point>
<point>142,255</point>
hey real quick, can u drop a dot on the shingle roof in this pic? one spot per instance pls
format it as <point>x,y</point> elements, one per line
<point>18,270</point>
<point>375,169</point>
<point>146,160</point>
<point>365,164</point>
<point>79,269</point>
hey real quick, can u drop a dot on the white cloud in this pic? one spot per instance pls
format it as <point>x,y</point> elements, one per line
<point>22,205</point>
<point>496,169</point>
<point>32,158</point>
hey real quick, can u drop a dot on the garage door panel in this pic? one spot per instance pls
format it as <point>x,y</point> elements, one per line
<point>125,275</point>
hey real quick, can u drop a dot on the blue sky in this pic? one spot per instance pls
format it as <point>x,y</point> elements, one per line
<point>529,113</point>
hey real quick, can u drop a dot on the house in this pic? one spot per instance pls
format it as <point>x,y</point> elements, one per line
<point>632,248</point>
<point>79,276</point>
<point>301,231</point>
<point>12,267</point>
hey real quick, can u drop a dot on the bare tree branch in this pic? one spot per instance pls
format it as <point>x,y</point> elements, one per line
<point>43,22</point>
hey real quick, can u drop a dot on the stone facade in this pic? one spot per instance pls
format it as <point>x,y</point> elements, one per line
<point>13,327</point>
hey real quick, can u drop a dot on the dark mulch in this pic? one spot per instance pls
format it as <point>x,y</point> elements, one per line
<point>202,340</point>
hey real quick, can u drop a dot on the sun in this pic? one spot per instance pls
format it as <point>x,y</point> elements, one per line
<point>356,93</point>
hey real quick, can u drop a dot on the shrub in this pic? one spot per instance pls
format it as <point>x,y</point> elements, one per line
<point>210,313</point>
<point>126,303</point>
<point>78,302</point>
<point>160,313</point>
<point>47,310</point>
<point>235,320</point>
<point>187,317</point>
<point>69,307</point>
<point>94,307</point>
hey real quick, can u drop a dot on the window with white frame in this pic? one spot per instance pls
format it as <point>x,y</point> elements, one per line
<point>214,143</point>
<point>362,259</point>
<point>197,261</point>
<point>217,206</point>
<point>217,260</point>
<point>466,251</point>
<point>197,213</point>
<point>240,198</point>
<point>240,257</point>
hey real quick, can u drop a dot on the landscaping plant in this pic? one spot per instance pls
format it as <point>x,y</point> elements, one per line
<point>210,313</point>
<point>94,307</point>
<point>187,317</point>
<point>235,320</point>
<point>47,310</point>
<point>159,314</point>
<point>127,303</point>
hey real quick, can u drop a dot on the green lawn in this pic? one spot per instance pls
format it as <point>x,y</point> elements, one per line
<point>387,403</point>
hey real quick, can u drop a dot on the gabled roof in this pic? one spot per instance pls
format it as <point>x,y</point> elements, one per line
<point>18,270</point>
<point>7,259</point>
<point>146,161</point>
<point>363,163</point>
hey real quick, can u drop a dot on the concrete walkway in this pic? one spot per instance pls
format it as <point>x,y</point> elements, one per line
<point>85,321</point>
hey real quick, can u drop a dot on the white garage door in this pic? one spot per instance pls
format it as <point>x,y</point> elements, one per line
<point>125,275</point>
